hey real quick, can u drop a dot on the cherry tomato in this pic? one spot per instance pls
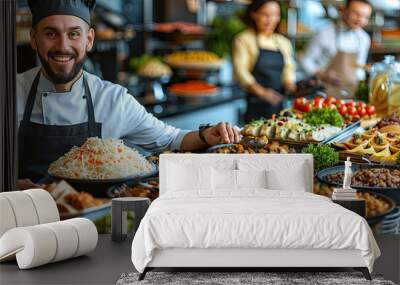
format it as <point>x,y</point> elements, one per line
<point>361,104</point>
<point>318,100</point>
<point>370,109</point>
<point>343,110</point>
<point>299,103</point>
<point>350,103</point>
<point>351,110</point>
<point>306,108</point>
<point>330,100</point>
<point>296,104</point>
<point>361,111</point>
<point>339,102</point>
<point>331,106</point>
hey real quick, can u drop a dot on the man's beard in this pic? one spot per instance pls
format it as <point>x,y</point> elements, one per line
<point>62,77</point>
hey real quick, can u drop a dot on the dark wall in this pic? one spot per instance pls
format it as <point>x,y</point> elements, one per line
<point>8,126</point>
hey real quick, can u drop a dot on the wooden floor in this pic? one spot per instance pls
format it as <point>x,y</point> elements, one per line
<point>110,260</point>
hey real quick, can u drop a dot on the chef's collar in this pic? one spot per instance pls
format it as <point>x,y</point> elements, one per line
<point>45,85</point>
<point>44,8</point>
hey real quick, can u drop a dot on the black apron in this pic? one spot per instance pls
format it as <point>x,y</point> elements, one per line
<point>39,144</point>
<point>268,73</point>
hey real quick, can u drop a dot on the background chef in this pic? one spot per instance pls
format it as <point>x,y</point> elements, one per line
<point>338,53</point>
<point>60,105</point>
<point>263,60</point>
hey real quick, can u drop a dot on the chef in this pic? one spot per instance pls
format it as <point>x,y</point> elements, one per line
<point>338,53</point>
<point>60,105</point>
<point>263,60</point>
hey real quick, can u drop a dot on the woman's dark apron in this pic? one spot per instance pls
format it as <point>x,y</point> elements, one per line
<point>268,73</point>
<point>39,144</point>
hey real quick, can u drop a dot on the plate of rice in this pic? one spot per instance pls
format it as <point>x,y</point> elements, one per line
<point>102,161</point>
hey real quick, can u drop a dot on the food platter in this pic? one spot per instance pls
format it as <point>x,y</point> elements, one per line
<point>378,142</point>
<point>378,218</point>
<point>378,206</point>
<point>144,188</point>
<point>240,148</point>
<point>392,192</point>
<point>195,65</point>
<point>99,187</point>
<point>193,89</point>
<point>109,181</point>
<point>196,59</point>
<point>90,213</point>
<point>345,133</point>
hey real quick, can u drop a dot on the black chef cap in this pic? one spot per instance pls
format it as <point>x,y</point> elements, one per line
<point>44,8</point>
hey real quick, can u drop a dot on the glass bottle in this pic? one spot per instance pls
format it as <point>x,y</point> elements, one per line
<point>394,98</point>
<point>380,85</point>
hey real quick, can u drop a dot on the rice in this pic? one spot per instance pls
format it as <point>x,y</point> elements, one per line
<point>99,159</point>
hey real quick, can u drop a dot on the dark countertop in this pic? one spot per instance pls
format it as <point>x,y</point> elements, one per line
<point>102,266</point>
<point>175,106</point>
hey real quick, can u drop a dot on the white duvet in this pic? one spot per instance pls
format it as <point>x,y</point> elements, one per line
<point>250,219</point>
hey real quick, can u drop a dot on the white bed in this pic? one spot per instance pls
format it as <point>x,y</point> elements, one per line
<point>202,219</point>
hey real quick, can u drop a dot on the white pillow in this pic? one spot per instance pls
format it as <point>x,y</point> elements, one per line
<point>251,178</point>
<point>287,173</point>
<point>293,180</point>
<point>224,179</point>
<point>184,177</point>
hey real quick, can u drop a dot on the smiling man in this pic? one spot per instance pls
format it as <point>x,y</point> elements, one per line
<point>60,105</point>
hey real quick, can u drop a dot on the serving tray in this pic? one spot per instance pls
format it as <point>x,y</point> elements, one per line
<point>98,187</point>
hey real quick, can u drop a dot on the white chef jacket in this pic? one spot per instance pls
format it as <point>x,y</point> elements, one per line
<point>325,44</point>
<point>122,117</point>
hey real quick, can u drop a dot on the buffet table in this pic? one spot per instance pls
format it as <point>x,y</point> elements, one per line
<point>110,259</point>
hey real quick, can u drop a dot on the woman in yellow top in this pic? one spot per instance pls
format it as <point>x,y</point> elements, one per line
<point>262,59</point>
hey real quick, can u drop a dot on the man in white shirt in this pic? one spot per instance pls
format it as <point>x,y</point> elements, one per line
<point>59,105</point>
<point>338,53</point>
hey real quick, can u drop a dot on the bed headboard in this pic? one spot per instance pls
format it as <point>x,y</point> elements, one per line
<point>281,162</point>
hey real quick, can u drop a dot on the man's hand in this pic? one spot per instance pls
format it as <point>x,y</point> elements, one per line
<point>221,134</point>
<point>24,184</point>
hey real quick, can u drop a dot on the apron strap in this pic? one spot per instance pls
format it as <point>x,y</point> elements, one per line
<point>32,96</point>
<point>257,40</point>
<point>91,117</point>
